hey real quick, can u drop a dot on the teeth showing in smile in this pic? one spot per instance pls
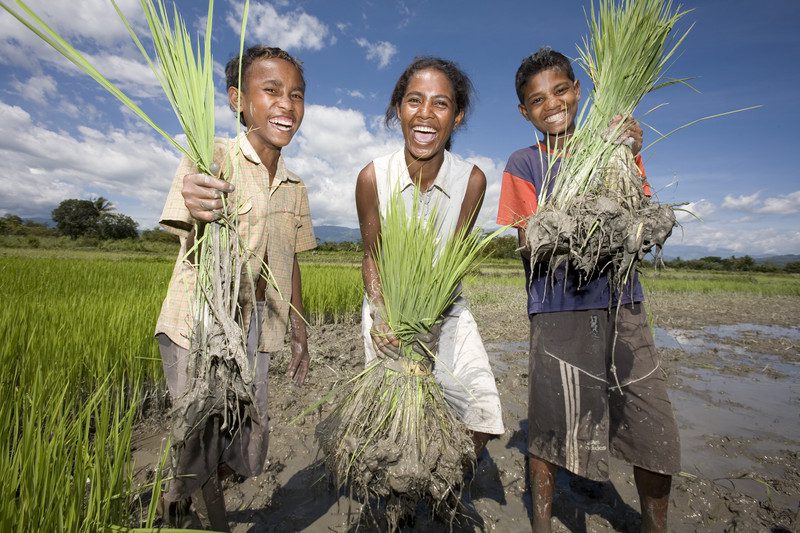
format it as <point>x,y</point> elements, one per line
<point>555,119</point>
<point>282,123</point>
<point>423,134</point>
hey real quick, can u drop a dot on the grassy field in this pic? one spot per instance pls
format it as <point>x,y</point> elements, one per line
<point>80,363</point>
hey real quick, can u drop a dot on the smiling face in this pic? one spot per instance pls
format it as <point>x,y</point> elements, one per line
<point>550,102</point>
<point>272,103</point>
<point>428,115</point>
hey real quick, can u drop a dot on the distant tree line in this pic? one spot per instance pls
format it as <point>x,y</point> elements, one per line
<point>93,219</point>
<point>732,264</point>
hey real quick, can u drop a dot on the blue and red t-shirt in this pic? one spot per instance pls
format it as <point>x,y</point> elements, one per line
<point>522,179</point>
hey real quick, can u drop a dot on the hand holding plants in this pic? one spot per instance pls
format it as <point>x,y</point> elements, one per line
<point>629,133</point>
<point>202,195</point>
<point>385,343</point>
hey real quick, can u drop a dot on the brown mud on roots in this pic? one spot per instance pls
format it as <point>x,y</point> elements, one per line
<point>393,442</point>
<point>610,228</point>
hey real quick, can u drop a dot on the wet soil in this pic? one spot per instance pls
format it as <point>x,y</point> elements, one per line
<point>733,367</point>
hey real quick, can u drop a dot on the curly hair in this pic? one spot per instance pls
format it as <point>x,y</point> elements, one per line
<point>463,89</point>
<point>250,56</point>
<point>543,59</point>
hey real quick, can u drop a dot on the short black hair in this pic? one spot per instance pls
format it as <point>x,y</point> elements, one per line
<point>249,56</point>
<point>462,87</point>
<point>543,59</point>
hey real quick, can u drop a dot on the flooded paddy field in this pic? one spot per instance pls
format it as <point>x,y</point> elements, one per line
<point>733,368</point>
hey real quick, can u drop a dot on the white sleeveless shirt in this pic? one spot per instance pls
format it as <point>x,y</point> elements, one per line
<point>444,197</point>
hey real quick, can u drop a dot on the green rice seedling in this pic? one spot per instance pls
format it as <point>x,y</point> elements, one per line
<point>392,438</point>
<point>593,214</point>
<point>80,364</point>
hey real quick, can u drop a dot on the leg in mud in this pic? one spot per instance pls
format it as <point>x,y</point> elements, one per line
<point>210,504</point>
<point>653,491</point>
<point>543,475</point>
<point>480,439</point>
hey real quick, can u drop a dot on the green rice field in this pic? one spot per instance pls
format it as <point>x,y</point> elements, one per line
<point>80,365</point>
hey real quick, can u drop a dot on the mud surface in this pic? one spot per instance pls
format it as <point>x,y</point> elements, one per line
<point>733,363</point>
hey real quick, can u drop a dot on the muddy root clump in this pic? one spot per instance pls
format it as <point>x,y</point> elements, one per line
<point>608,229</point>
<point>393,442</point>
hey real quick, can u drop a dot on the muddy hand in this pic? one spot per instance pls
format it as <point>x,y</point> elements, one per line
<point>203,194</point>
<point>385,343</point>
<point>630,132</point>
<point>298,366</point>
<point>425,343</point>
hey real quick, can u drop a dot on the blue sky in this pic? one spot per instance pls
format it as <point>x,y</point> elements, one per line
<point>62,137</point>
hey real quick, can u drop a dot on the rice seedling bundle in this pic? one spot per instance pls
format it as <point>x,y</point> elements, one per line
<point>593,214</point>
<point>219,375</point>
<point>392,438</point>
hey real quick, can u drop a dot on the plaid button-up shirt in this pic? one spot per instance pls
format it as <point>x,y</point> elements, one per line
<point>274,224</point>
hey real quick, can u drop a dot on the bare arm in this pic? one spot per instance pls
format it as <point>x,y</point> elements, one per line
<point>369,222</point>
<point>298,365</point>
<point>473,200</point>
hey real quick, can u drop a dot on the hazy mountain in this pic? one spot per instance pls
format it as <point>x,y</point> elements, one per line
<point>336,234</point>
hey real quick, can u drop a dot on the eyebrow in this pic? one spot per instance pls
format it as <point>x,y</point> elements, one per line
<point>419,93</point>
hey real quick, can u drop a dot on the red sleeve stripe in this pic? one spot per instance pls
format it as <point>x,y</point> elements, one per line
<point>517,201</point>
<point>645,186</point>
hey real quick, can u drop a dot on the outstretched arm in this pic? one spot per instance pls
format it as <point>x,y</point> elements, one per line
<point>298,366</point>
<point>369,222</point>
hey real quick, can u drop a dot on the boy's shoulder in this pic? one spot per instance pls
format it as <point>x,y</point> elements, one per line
<point>294,178</point>
<point>526,152</point>
<point>528,160</point>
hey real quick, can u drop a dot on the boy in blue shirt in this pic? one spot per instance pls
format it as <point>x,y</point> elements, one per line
<point>577,414</point>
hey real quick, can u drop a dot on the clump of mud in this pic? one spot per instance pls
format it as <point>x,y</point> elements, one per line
<point>608,229</point>
<point>393,442</point>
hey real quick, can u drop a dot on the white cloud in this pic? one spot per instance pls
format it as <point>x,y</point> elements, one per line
<point>694,211</point>
<point>331,148</point>
<point>294,30</point>
<point>741,239</point>
<point>775,205</point>
<point>782,205</point>
<point>743,202</point>
<point>381,51</point>
<point>494,173</point>
<point>95,29</point>
<point>84,20</point>
<point>40,167</point>
<point>355,94</point>
<point>37,89</point>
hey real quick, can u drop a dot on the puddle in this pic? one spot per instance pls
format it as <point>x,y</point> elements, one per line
<point>737,330</point>
<point>732,421</point>
<point>499,353</point>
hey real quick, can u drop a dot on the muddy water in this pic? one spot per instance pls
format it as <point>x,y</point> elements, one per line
<point>738,409</point>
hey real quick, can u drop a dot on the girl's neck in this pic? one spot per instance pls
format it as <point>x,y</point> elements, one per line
<point>423,172</point>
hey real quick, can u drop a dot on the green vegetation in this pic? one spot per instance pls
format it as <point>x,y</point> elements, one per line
<point>331,293</point>
<point>78,362</point>
<point>763,284</point>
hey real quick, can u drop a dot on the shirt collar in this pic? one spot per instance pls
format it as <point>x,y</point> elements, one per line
<point>281,174</point>
<point>442,181</point>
